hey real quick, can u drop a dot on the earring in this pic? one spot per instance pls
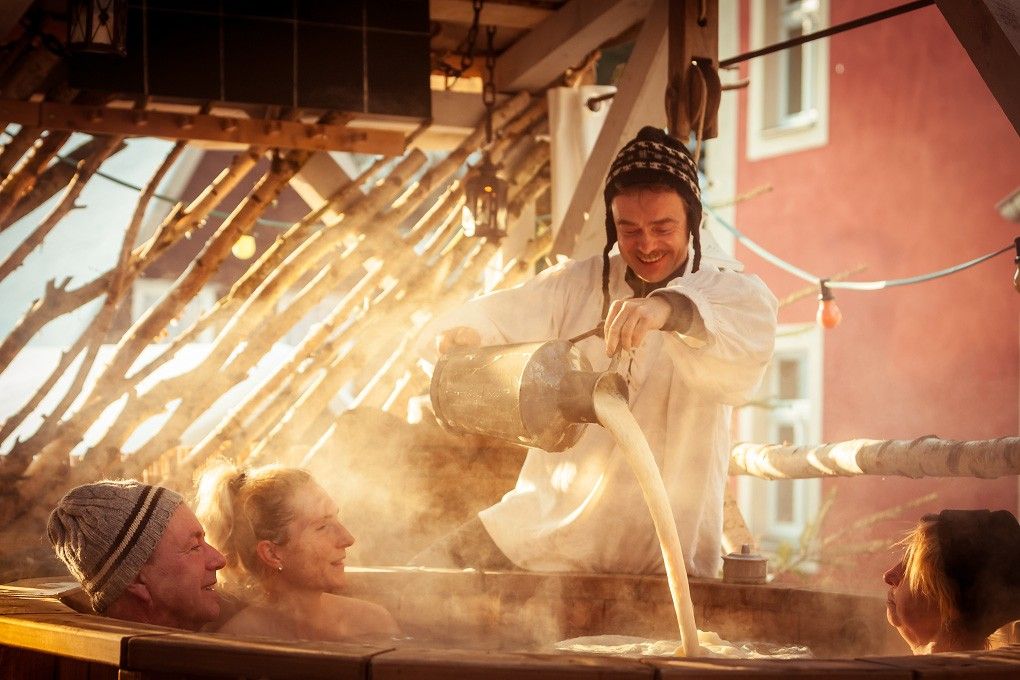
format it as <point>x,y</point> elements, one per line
<point>279,568</point>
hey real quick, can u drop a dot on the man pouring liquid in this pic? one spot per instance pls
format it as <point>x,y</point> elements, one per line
<point>696,340</point>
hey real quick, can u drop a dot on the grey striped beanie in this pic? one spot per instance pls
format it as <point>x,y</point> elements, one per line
<point>106,531</point>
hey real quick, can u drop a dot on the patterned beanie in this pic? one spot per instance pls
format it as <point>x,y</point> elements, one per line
<point>106,531</point>
<point>652,157</point>
<point>981,555</point>
<point>655,157</point>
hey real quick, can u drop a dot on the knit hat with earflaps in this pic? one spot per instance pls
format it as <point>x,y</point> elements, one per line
<point>980,552</point>
<point>652,157</point>
<point>106,531</point>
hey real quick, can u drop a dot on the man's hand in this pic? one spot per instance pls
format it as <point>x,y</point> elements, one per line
<point>630,320</point>
<point>457,337</point>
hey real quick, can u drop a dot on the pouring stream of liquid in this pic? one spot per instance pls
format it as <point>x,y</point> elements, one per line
<point>614,414</point>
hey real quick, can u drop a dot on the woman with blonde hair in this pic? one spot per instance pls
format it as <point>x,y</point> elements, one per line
<point>285,549</point>
<point>958,581</point>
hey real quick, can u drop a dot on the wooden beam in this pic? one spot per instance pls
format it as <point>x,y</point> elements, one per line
<point>643,81</point>
<point>564,40</point>
<point>497,14</point>
<point>318,181</point>
<point>194,126</point>
<point>990,32</point>
<point>693,48</point>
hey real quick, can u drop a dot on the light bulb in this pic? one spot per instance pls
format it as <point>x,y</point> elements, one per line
<point>244,247</point>
<point>828,315</point>
<point>1016,274</point>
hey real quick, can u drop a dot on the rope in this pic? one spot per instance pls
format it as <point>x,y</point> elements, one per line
<point>847,285</point>
<point>702,105</point>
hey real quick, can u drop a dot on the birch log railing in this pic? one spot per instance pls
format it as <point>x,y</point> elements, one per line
<point>926,456</point>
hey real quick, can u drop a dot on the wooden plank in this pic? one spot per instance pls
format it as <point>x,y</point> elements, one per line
<point>692,36</point>
<point>193,126</point>
<point>990,665</point>
<point>499,14</point>
<point>38,596</point>
<point>79,636</point>
<point>318,180</point>
<point>563,40</point>
<point>990,32</point>
<point>441,664</point>
<point>16,664</point>
<point>802,669</point>
<point>218,655</point>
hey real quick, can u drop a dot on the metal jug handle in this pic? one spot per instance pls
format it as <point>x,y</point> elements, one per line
<point>597,331</point>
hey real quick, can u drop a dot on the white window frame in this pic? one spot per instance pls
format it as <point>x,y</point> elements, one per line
<point>757,498</point>
<point>769,133</point>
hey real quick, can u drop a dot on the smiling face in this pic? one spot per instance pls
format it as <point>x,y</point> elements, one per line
<point>652,230</point>
<point>180,576</point>
<point>915,616</point>
<point>316,548</point>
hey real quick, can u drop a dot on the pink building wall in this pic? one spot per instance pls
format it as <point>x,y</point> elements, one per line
<point>919,153</point>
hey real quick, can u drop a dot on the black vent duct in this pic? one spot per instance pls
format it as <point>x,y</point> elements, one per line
<point>365,56</point>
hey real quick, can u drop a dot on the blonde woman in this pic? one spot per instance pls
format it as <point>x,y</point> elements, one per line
<point>958,581</point>
<point>285,549</point>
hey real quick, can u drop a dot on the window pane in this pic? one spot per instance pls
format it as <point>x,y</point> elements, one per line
<point>784,500</point>
<point>794,76</point>
<point>789,379</point>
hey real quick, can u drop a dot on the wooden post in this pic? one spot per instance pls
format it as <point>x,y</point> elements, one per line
<point>693,67</point>
<point>636,74</point>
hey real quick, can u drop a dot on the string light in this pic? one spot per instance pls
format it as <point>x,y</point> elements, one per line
<point>244,247</point>
<point>768,256</point>
<point>828,315</point>
<point>1016,260</point>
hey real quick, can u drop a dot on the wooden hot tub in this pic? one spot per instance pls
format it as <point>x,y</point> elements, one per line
<point>487,626</point>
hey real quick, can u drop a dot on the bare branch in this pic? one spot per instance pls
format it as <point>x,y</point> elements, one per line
<point>86,169</point>
<point>21,181</point>
<point>55,178</point>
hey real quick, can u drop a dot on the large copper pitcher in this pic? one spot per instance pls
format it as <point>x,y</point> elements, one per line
<point>536,394</point>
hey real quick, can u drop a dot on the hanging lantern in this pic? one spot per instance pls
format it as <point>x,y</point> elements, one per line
<point>485,207</point>
<point>485,210</point>
<point>97,26</point>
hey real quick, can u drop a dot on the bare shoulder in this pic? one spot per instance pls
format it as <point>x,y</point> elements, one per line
<point>361,617</point>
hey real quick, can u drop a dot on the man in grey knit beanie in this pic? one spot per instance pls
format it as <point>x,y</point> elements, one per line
<point>138,552</point>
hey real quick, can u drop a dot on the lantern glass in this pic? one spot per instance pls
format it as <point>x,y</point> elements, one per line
<point>98,26</point>
<point>486,202</point>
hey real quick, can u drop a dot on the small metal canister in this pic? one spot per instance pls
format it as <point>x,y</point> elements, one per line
<point>744,567</point>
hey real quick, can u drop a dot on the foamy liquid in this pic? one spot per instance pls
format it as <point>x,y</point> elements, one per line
<point>711,645</point>
<point>614,415</point>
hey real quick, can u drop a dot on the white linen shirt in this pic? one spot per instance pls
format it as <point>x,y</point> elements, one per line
<point>581,509</point>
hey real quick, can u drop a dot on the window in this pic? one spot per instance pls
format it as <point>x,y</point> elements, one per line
<point>789,90</point>
<point>787,409</point>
